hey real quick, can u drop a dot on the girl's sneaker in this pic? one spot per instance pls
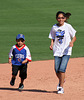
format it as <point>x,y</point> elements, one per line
<point>21,86</point>
<point>58,86</point>
<point>60,91</point>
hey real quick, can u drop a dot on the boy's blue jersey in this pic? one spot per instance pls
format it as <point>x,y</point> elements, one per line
<point>19,55</point>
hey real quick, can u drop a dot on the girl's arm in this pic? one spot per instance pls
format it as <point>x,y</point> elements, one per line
<point>73,40</point>
<point>51,46</point>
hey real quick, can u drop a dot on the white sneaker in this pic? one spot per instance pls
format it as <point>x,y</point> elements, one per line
<point>60,91</point>
<point>58,86</point>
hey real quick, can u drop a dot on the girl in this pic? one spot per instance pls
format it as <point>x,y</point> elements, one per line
<point>62,37</point>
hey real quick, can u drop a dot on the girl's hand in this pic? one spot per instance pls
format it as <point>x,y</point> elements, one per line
<point>51,47</point>
<point>71,44</point>
<point>73,40</point>
<point>25,61</point>
<point>9,61</point>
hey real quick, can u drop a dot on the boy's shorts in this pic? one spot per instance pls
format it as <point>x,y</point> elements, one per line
<point>22,69</point>
<point>61,63</point>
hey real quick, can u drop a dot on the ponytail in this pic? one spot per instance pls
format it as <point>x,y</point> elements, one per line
<point>67,15</point>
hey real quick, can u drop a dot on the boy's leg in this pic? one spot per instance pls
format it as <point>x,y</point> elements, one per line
<point>22,80</point>
<point>21,85</point>
<point>12,82</point>
<point>14,74</point>
<point>23,75</point>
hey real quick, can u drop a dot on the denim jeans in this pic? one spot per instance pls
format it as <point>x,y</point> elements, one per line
<point>61,63</point>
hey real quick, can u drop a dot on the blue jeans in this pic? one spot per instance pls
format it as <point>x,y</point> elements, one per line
<point>61,63</point>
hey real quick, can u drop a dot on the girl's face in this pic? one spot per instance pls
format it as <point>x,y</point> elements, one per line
<point>61,19</point>
<point>20,42</point>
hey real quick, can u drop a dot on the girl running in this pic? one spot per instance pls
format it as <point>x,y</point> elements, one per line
<point>62,37</point>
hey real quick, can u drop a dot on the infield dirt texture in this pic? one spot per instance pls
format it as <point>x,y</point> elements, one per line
<point>41,82</point>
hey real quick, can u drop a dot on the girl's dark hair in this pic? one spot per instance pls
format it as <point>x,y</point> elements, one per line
<point>67,15</point>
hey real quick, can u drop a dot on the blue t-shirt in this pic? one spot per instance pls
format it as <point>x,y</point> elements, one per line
<point>19,55</point>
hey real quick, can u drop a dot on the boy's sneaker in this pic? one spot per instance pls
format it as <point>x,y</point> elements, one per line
<point>12,82</point>
<point>21,86</point>
<point>60,91</point>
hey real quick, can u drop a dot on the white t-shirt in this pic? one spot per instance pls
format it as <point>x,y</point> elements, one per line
<point>62,36</point>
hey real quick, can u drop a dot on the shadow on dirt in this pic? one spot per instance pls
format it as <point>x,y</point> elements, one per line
<point>28,90</point>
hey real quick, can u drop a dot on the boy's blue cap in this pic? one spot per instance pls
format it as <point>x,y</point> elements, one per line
<point>20,36</point>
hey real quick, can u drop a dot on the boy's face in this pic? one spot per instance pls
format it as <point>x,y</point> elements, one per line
<point>20,42</point>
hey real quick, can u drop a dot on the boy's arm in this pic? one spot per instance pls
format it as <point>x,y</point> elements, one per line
<point>25,61</point>
<point>28,56</point>
<point>10,55</point>
<point>9,61</point>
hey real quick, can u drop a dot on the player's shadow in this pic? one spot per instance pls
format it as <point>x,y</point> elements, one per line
<point>28,90</point>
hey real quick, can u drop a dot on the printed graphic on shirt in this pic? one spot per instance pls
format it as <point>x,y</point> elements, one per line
<point>19,59</point>
<point>19,56</point>
<point>60,35</point>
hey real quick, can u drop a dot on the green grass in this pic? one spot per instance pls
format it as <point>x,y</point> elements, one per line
<point>34,18</point>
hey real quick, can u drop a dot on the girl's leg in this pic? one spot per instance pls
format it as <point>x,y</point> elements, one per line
<point>62,78</point>
<point>62,69</point>
<point>61,82</point>
<point>61,72</point>
<point>58,75</point>
<point>57,66</point>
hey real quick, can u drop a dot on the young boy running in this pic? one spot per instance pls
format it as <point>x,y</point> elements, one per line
<point>20,55</point>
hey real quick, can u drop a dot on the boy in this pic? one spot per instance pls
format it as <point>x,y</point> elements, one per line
<point>21,56</point>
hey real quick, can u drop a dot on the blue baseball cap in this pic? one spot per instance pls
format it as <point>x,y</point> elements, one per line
<point>20,36</point>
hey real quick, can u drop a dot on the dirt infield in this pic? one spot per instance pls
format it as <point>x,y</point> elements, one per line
<point>41,82</point>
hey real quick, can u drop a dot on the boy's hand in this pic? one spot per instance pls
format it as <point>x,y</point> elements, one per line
<point>25,61</point>
<point>9,61</point>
